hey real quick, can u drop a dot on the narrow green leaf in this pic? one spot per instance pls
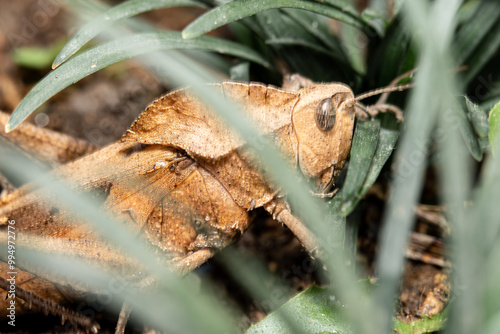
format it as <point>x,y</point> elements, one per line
<point>395,55</point>
<point>471,33</point>
<point>238,9</point>
<point>483,54</point>
<point>109,53</point>
<point>344,5</point>
<point>300,42</point>
<point>319,27</point>
<point>469,135</point>
<point>351,39</point>
<point>375,19</point>
<point>275,24</point>
<point>386,144</point>
<point>478,118</point>
<point>366,137</point>
<point>494,122</point>
<point>315,308</point>
<point>118,12</point>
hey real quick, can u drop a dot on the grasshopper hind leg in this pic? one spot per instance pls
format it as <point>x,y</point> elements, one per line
<point>281,212</point>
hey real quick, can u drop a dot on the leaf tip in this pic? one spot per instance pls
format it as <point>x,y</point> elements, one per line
<point>8,128</point>
<point>58,61</point>
<point>186,34</point>
<point>61,57</point>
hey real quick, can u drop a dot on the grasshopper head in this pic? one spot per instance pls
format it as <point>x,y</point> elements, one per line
<point>323,120</point>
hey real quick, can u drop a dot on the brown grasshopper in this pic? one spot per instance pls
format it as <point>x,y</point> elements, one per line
<point>187,182</point>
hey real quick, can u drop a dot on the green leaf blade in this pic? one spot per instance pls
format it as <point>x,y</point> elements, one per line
<point>116,13</point>
<point>364,145</point>
<point>109,53</point>
<point>478,118</point>
<point>385,147</point>
<point>315,309</point>
<point>238,9</point>
<point>470,124</point>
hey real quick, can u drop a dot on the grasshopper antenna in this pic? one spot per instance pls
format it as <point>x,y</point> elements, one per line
<point>381,105</point>
<point>385,91</point>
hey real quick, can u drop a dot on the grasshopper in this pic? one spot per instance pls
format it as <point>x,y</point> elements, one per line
<point>187,182</point>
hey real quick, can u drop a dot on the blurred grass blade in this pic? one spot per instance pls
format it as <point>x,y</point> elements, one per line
<point>433,27</point>
<point>250,272</point>
<point>118,12</point>
<point>486,209</point>
<point>316,309</point>
<point>386,144</point>
<point>366,137</point>
<point>106,54</point>
<point>336,226</point>
<point>238,9</point>
<point>477,258</point>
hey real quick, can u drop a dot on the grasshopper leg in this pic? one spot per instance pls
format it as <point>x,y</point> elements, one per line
<point>281,212</point>
<point>123,318</point>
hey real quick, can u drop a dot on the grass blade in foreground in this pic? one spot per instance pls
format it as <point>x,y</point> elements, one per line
<point>237,9</point>
<point>106,54</point>
<point>118,12</point>
<point>432,88</point>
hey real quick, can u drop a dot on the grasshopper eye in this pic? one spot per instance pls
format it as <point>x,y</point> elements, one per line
<point>325,114</point>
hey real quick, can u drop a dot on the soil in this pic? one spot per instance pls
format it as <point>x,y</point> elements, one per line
<point>102,106</point>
